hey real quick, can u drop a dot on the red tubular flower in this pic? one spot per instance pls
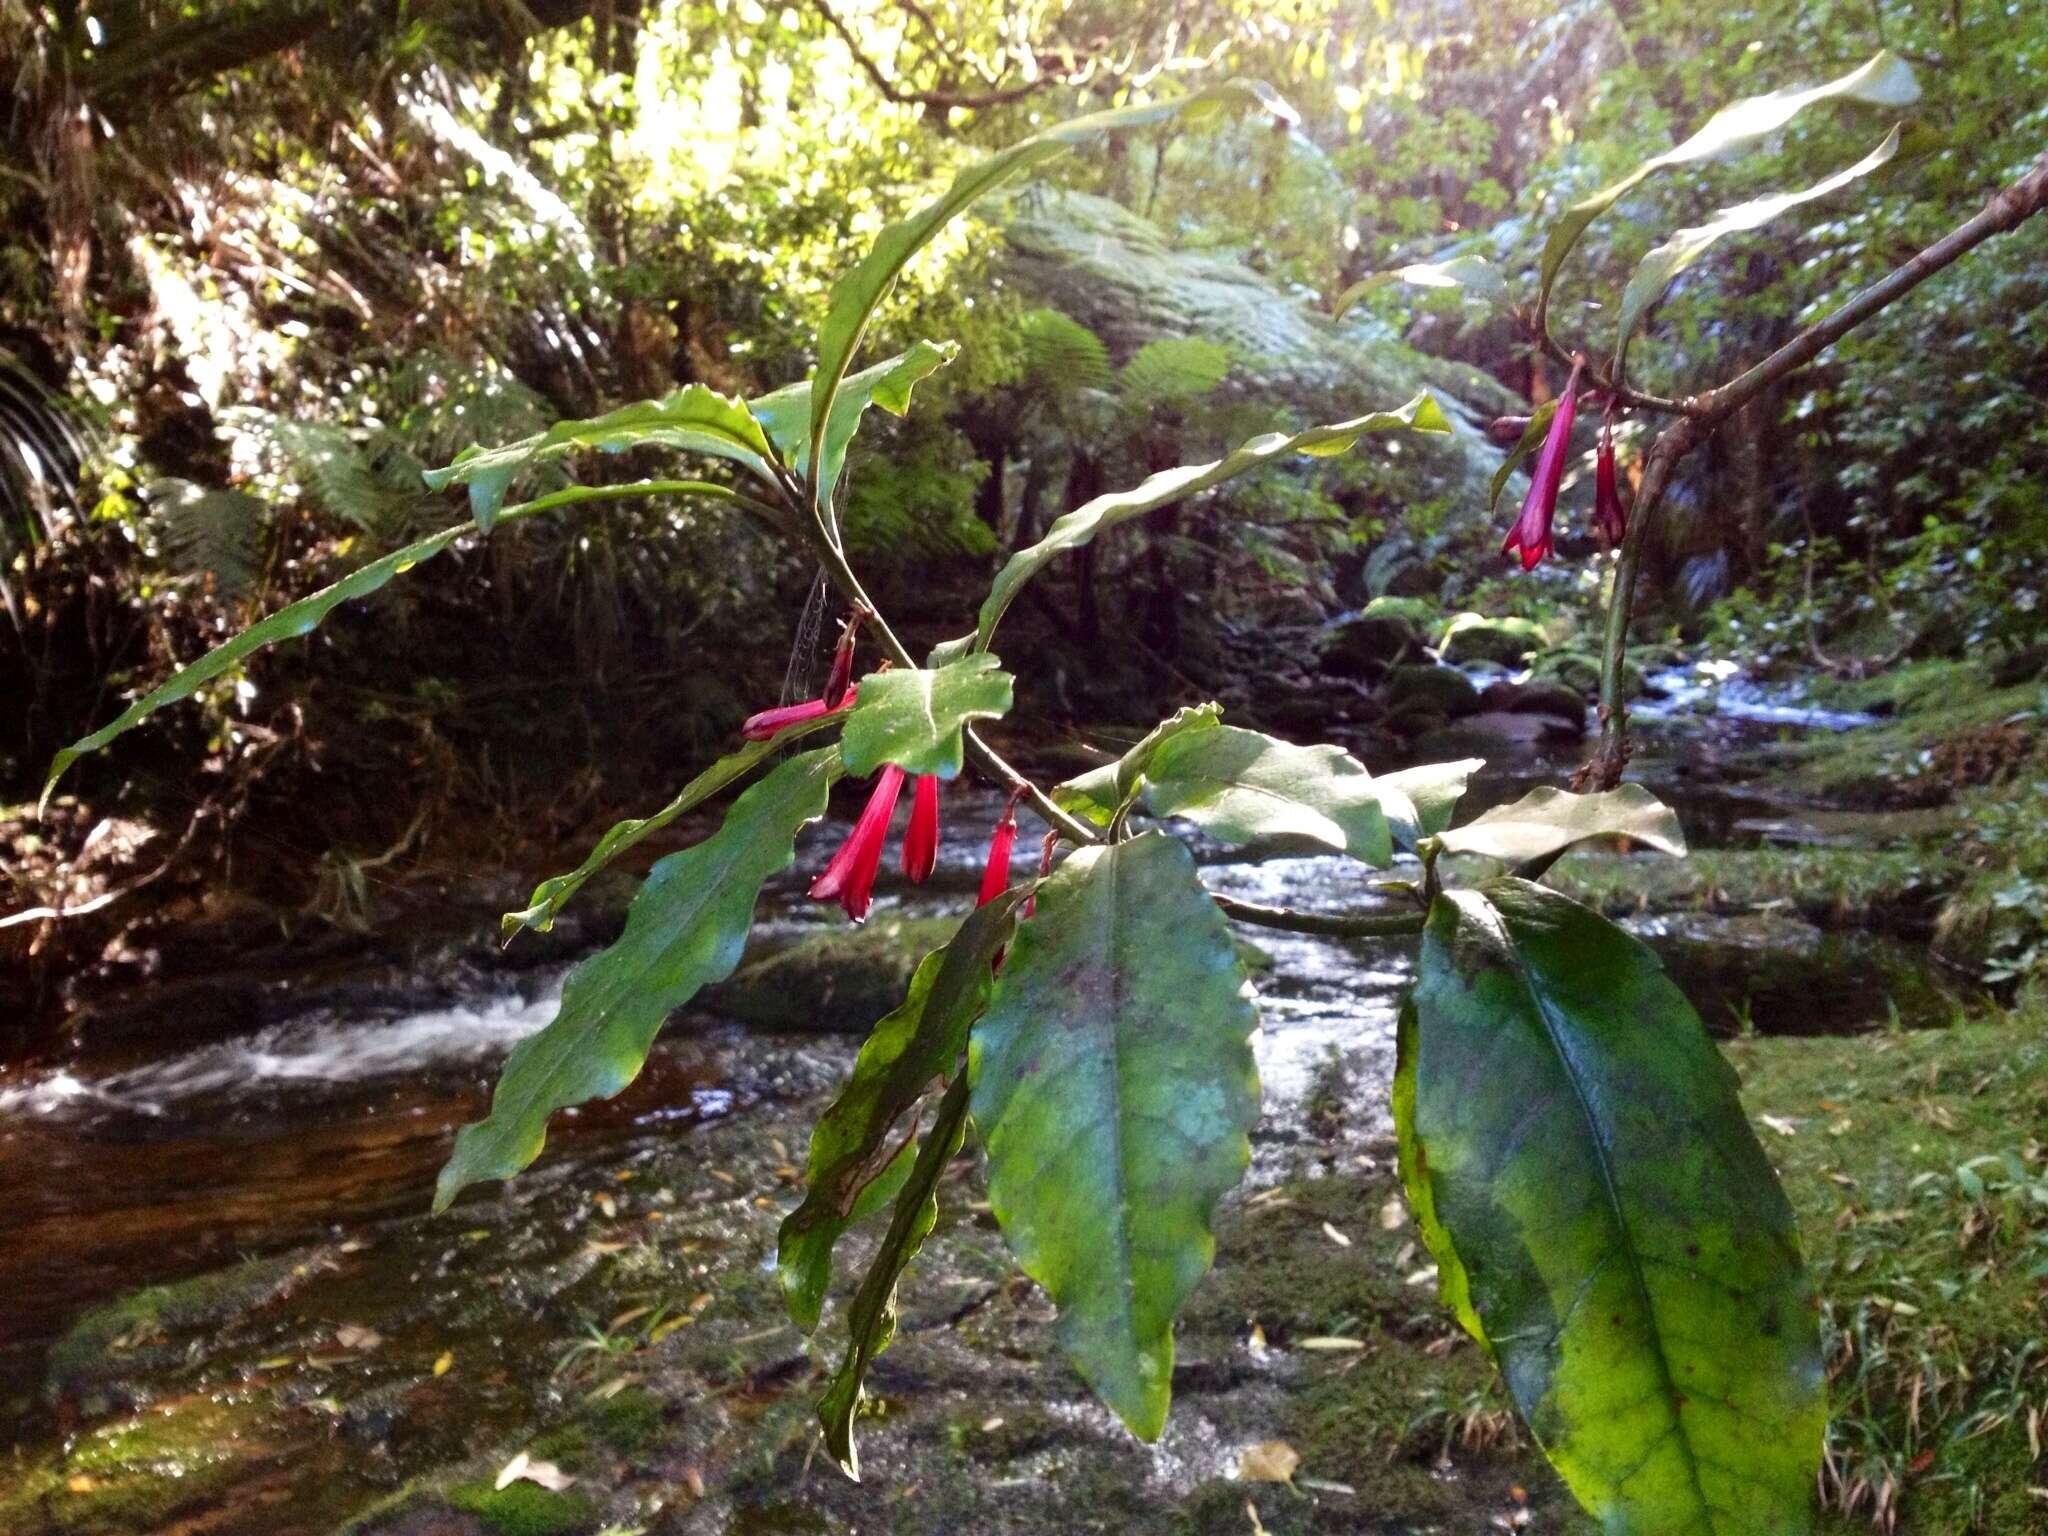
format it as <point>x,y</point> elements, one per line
<point>921,842</point>
<point>1610,519</point>
<point>1531,535</point>
<point>851,875</point>
<point>773,722</point>
<point>841,675</point>
<point>995,875</point>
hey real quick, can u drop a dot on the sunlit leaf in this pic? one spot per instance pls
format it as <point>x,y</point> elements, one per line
<point>785,415</point>
<point>867,1125</point>
<point>1099,793</point>
<point>1530,440</point>
<point>1114,1090</point>
<point>302,617</point>
<point>1604,1220</point>
<point>1885,81</point>
<point>1473,276</point>
<point>695,419</point>
<point>684,930</point>
<point>1243,786</point>
<point>1658,269</point>
<point>1078,527</point>
<point>856,294</point>
<point>1547,821</point>
<point>912,716</point>
<point>871,1320</point>
<point>1419,801</point>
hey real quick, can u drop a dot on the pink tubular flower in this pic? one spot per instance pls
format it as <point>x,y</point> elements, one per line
<point>1610,519</point>
<point>851,875</point>
<point>921,842</point>
<point>773,722</point>
<point>1531,535</point>
<point>995,875</point>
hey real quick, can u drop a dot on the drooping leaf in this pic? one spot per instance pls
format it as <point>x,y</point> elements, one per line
<point>1075,528</point>
<point>684,930</point>
<point>1578,1158</point>
<point>695,419</point>
<point>1243,786</point>
<point>906,1053</point>
<point>785,415</point>
<point>1530,440</point>
<point>302,617</point>
<point>912,716</point>
<point>1419,801</point>
<point>553,894</point>
<point>856,294</point>
<point>1098,794</point>
<point>1885,81</point>
<point>871,1320</point>
<point>1657,270</point>
<point>1474,276</point>
<point>1546,821</point>
<point>1114,1090</point>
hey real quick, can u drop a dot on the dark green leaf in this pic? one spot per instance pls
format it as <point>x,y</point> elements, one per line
<point>855,295</point>
<point>871,1321</point>
<point>1604,1220</point>
<point>1419,801</point>
<point>302,617</point>
<point>1885,81</point>
<point>1667,261</point>
<point>1242,786</point>
<point>1547,821</point>
<point>907,1052</point>
<point>1100,793</point>
<point>1473,276</point>
<point>1531,439</point>
<point>912,716</point>
<point>695,419</point>
<point>1075,528</point>
<point>786,414</point>
<point>685,929</point>
<point>1114,1090</point>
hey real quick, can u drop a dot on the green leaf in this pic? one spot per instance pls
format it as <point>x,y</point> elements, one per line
<point>685,929</point>
<point>911,716</point>
<point>1075,528</point>
<point>1114,1090</point>
<point>695,419</point>
<point>302,617</point>
<point>1474,276</point>
<point>1605,1221</point>
<point>551,895</point>
<point>1531,439</point>
<point>786,414</point>
<point>907,1052</point>
<point>871,1320</point>
<point>1419,801</point>
<point>1547,821</point>
<point>1885,81</point>
<point>1242,786</point>
<point>1100,793</point>
<point>1658,269</point>
<point>856,294</point>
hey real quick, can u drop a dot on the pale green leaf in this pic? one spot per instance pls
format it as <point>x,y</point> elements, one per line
<point>1242,786</point>
<point>1419,801</point>
<point>1547,821</point>
<point>1531,439</point>
<point>685,929</point>
<point>912,716</point>
<point>1078,527</point>
<point>1605,1221</point>
<point>785,415</point>
<point>1100,793</point>
<point>1114,1091</point>
<point>1473,276</point>
<point>856,294</point>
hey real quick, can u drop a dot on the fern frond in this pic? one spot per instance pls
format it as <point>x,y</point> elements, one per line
<point>1173,371</point>
<point>1060,353</point>
<point>202,531</point>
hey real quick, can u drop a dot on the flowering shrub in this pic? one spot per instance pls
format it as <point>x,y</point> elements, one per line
<point>1603,1219</point>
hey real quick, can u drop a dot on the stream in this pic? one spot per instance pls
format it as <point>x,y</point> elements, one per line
<point>318,1136</point>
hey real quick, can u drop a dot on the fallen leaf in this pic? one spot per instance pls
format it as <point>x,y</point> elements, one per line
<point>990,1426</point>
<point>354,1336</point>
<point>522,1468</point>
<point>1251,1513</point>
<point>1330,1342</point>
<point>630,1315</point>
<point>1423,1276</point>
<point>1781,1125</point>
<point>606,1204</point>
<point>1335,1236</point>
<point>1393,1214</point>
<point>1271,1461</point>
<point>444,1362</point>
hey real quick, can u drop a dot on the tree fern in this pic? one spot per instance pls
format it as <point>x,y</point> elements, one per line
<point>204,532</point>
<point>1173,370</point>
<point>1060,353</point>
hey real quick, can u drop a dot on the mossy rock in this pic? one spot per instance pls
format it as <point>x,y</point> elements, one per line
<point>1385,631</point>
<point>136,1474</point>
<point>526,1509</point>
<point>1474,637</point>
<point>1580,671</point>
<point>1423,689</point>
<point>841,980</point>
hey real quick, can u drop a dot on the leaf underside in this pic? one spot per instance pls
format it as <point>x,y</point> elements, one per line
<point>1605,1221</point>
<point>1243,786</point>
<point>1547,821</point>
<point>912,716</point>
<point>1114,1092</point>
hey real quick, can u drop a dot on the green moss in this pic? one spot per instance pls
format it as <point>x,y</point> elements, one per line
<point>628,1421</point>
<point>130,1334</point>
<point>1474,637</point>
<point>1899,759</point>
<point>135,1474</point>
<point>525,1509</point>
<point>1829,886</point>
